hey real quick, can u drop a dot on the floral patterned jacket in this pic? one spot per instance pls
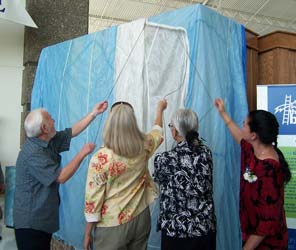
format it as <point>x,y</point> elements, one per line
<point>118,188</point>
<point>186,193</point>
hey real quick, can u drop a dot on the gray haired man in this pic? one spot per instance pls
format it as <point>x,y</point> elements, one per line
<point>38,175</point>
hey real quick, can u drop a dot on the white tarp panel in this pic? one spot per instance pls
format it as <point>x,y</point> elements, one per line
<point>151,63</point>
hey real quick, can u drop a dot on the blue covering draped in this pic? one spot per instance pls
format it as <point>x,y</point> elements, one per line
<point>75,74</point>
<point>72,77</point>
<point>218,59</point>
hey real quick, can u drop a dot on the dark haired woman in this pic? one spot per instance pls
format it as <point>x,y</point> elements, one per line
<point>187,217</point>
<point>264,172</point>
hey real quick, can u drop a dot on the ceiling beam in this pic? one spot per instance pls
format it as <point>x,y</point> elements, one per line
<point>260,19</point>
<point>246,18</point>
<point>168,3</point>
<point>262,6</point>
<point>109,18</point>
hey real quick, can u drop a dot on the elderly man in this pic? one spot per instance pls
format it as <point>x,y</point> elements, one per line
<point>38,174</point>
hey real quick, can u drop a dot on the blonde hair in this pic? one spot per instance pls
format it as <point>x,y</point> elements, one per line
<point>121,133</point>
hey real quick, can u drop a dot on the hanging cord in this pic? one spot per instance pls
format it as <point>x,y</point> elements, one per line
<point>172,92</point>
<point>183,83</point>
<point>99,127</point>
<point>165,134</point>
<point>62,83</point>
<point>129,55</point>
<point>116,81</point>
<point>229,89</point>
<point>202,82</point>
<point>89,82</point>
<point>180,85</point>
<point>184,76</point>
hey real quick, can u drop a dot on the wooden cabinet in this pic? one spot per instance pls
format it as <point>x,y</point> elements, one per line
<point>277,58</point>
<point>252,67</point>
<point>271,59</point>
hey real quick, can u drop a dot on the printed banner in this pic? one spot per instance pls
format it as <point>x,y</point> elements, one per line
<point>290,197</point>
<point>13,10</point>
<point>281,101</point>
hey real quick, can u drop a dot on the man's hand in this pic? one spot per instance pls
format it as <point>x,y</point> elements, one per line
<point>100,108</point>
<point>82,124</point>
<point>68,171</point>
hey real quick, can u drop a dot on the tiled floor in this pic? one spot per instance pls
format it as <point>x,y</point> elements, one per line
<point>8,240</point>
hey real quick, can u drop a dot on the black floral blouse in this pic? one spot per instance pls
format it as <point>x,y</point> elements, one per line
<point>186,193</point>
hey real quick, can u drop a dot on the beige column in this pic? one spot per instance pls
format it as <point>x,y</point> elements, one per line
<point>57,21</point>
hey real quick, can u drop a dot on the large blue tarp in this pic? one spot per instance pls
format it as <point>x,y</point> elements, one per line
<point>74,75</point>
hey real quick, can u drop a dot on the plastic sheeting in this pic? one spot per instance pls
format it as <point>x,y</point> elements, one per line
<point>71,77</point>
<point>193,53</point>
<point>157,68</point>
<point>217,56</point>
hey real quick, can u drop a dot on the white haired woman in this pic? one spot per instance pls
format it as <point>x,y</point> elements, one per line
<point>187,217</point>
<point>119,187</point>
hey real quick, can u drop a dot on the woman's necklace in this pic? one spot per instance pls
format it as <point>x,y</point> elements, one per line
<point>249,174</point>
<point>263,152</point>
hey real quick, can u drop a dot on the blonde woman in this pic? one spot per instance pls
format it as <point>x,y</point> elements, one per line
<point>119,187</point>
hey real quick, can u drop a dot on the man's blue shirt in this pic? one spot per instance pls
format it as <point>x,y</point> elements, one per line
<point>36,199</point>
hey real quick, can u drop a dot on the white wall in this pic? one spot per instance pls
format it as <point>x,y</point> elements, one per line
<point>11,69</point>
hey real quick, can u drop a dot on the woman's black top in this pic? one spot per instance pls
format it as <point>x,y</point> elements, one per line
<point>186,191</point>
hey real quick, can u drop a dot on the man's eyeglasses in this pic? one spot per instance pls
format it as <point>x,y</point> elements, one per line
<point>120,102</point>
<point>170,125</point>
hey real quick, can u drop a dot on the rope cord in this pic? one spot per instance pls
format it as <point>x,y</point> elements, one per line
<point>129,55</point>
<point>116,81</point>
<point>170,93</point>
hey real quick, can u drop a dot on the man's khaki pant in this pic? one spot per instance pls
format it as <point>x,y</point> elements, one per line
<point>132,235</point>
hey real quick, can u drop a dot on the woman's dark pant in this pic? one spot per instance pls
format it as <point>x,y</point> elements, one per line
<point>30,239</point>
<point>207,242</point>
